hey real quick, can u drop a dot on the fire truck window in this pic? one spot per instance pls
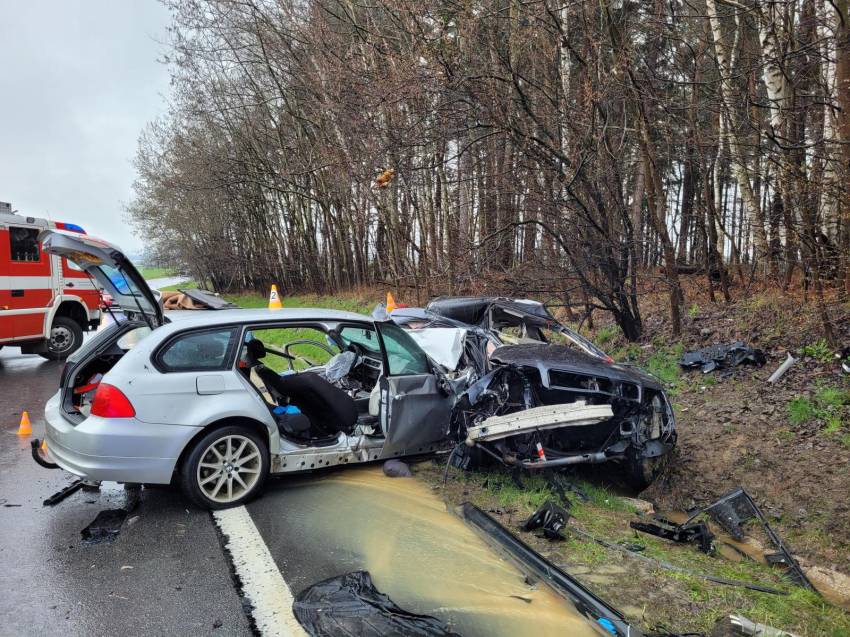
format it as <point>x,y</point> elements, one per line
<point>24,244</point>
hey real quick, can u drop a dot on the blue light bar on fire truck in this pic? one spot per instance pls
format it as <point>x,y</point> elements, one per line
<point>70,227</point>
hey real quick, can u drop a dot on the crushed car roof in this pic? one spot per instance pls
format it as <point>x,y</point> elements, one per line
<point>472,309</point>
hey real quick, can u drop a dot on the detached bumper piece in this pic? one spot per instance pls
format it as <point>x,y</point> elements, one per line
<point>532,562</point>
<point>575,414</point>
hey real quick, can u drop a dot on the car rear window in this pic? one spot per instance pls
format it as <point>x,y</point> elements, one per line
<point>198,351</point>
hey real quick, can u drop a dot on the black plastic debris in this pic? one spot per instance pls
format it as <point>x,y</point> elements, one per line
<point>723,357</point>
<point>351,605</point>
<point>396,469</point>
<point>60,495</point>
<point>107,524</point>
<point>105,527</point>
<point>531,562</point>
<point>845,360</point>
<point>550,518</point>
<point>733,511</point>
<point>691,533</point>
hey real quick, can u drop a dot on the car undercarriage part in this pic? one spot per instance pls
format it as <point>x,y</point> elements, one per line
<point>550,518</point>
<point>535,564</point>
<point>733,511</point>
<point>350,604</point>
<point>723,357</point>
<point>693,533</point>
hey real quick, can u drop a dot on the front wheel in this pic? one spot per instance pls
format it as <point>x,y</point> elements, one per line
<point>66,336</point>
<point>640,472</point>
<point>225,468</point>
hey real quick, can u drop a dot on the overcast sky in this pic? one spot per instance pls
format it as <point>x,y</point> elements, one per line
<point>79,79</point>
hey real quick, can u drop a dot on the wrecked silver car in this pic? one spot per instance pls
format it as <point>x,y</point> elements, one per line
<point>533,374</point>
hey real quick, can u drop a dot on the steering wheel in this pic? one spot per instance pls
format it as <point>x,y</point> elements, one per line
<point>305,341</point>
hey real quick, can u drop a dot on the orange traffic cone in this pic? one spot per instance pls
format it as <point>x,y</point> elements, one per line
<point>44,446</point>
<point>390,302</point>
<point>25,428</point>
<point>274,300</point>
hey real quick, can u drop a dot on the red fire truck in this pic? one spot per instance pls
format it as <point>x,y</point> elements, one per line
<point>46,302</point>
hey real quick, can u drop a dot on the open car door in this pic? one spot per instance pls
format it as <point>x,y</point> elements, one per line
<point>415,411</point>
<point>113,271</point>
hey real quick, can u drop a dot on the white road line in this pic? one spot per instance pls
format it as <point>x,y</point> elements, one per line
<point>262,582</point>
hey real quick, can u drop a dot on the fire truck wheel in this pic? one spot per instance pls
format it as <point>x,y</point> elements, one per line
<point>66,336</point>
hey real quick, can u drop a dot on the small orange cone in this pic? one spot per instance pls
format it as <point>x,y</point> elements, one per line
<point>44,445</point>
<point>25,428</point>
<point>390,302</point>
<point>274,300</point>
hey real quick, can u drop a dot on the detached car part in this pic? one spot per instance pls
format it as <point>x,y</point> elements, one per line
<point>723,357</point>
<point>733,511</point>
<point>535,564</point>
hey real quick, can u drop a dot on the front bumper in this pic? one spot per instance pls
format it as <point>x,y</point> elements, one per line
<point>119,450</point>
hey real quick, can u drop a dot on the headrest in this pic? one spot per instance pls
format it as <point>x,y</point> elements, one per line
<point>256,349</point>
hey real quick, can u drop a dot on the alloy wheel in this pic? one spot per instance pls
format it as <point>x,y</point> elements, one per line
<point>229,468</point>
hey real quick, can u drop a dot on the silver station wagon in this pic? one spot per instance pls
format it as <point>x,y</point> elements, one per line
<point>215,401</point>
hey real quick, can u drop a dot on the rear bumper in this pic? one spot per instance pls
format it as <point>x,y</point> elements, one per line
<point>120,450</point>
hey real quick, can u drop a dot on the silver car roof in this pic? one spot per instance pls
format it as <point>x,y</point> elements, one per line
<point>183,319</point>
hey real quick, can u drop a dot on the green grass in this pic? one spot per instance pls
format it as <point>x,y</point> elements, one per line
<point>350,304</point>
<point>157,273</point>
<point>664,364</point>
<point>280,337</point>
<point>606,335</point>
<point>801,410</point>
<point>828,405</point>
<point>184,285</point>
<point>819,350</point>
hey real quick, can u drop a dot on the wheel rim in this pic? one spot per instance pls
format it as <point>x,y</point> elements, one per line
<point>229,468</point>
<point>61,339</point>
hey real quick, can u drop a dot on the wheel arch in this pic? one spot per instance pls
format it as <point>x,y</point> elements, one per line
<point>73,308</point>
<point>255,425</point>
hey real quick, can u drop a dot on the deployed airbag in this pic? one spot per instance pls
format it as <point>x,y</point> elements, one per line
<point>444,345</point>
<point>349,605</point>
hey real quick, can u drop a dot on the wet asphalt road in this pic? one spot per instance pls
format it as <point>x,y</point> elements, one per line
<point>165,574</point>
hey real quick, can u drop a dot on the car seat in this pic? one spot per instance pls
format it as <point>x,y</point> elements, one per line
<point>329,409</point>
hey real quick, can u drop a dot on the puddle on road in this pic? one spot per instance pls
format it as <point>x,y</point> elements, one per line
<point>423,557</point>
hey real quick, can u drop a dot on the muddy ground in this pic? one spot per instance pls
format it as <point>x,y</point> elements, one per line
<point>788,444</point>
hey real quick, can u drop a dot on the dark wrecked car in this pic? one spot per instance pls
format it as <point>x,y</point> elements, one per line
<point>530,373</point>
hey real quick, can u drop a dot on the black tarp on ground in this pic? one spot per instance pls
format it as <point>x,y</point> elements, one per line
<point>350,606</point>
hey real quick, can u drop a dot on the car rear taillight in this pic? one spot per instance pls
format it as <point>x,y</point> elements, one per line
<point>110,402</point>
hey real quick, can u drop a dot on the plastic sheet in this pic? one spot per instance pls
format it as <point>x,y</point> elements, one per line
<point>349,605</point>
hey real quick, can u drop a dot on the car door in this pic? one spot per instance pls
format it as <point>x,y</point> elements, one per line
<point>415,410</point>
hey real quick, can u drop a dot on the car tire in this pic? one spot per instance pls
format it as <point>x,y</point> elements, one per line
<point>640,472</point>
<point>214,478</point>
<point>66,337</point>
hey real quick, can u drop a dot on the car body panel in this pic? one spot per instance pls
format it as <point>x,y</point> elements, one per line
<point>415,413</point>
<point>123,450</point>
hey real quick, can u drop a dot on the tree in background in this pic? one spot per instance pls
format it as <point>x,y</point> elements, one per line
<point>581,152</point>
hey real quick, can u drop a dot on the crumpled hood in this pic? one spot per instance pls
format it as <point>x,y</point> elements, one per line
<point>549,356</point>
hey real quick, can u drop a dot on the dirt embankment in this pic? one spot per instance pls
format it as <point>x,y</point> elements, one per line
<point>787,443</point>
